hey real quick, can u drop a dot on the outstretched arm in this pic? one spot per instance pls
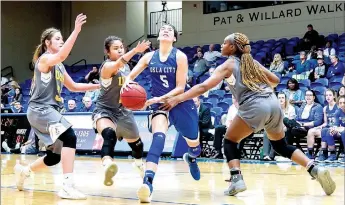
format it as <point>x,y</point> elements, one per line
<point>78,87</point>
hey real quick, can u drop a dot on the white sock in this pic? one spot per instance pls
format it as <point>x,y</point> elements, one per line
<point>68,179</point>
<point>107,161</point>
<point>138,162</point>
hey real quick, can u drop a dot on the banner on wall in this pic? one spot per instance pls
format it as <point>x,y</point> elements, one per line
<point>16,127</point>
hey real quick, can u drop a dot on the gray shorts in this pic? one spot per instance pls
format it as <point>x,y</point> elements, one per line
<point>48,124</point>
<point>126,127</point>
<point>262,113</point>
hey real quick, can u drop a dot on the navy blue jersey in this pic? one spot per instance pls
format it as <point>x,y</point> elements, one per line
<point>163,74</point>
<point>340,118</point>
<point>330,114</point>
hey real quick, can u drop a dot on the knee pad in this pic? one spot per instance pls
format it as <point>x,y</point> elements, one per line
<point>51,158</point>
<point>231,150</point>
<point>109,143</point>
<point>69,138</point>
<point>156,148</point>
<point>137,149</point>
<point>282,148</point>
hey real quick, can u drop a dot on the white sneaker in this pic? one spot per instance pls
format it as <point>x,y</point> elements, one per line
<point>144,194</point>
<point>70,192</point>
<point>20,174</point>
<point>110,171</point>
<point>139,168</point>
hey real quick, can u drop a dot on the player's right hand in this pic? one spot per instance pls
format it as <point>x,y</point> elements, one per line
<point>128,84</point>
<point>79,21</point>
<point>143,46</point>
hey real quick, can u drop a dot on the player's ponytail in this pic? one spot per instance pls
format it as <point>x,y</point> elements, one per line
<point>38,52</point>
<point>252,75</point>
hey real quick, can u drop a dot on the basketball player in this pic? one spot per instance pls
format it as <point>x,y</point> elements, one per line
<point>168,69</point>
<point>259,108</point>
<point>110,118</point>
<point>45,105</point>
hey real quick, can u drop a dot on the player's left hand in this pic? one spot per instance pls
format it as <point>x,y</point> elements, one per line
<point>153,100</point>
<point>170,103</point>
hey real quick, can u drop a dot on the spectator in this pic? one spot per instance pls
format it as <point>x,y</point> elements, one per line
<point>293,93</point>
<point>200,65</point>
<point>328,51</point>
<point>92,76</point>
<point>72,107</point>
<point>341,91</point>
<point>93,94</point>
<point>328,121</point>
<point>277,64</point>
<point>289,114</point>
<point>312,54</point>
<point>343,81</point>
<point>195,57</point>
<point>88,106</point>
<point>303,65</point>
<point>18,96</point>
<point>336,69</point>
<point>17,107</point>
<point>319,71</point>
<point>205,122</point>
<point>308,116</point>
<point>211,55</point>
<point>310,38</point>
<point>220,130</point>
<point>336,131</point>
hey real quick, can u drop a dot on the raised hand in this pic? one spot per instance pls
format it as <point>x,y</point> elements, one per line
<point>79,21</point>
<point>143,46</point>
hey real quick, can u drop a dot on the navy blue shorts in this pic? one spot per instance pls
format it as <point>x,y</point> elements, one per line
<point>184,117</point>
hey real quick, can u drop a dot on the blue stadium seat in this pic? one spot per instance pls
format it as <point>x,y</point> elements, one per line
<point>321,99</point>
<point>335,85</point>
<point>208,104</point>
<point>224,105</point>
<point>220,93</point>
<point>319,90</point>
<point>227,96</point>
<point>214,101</point>
<point>305,82</point>
<point>323,81</point>
<point>212,95</point>
<point>217,110</point>
<point>228,101</point>
<point>280,87</point>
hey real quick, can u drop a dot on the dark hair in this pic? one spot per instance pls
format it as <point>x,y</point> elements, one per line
<point>175,30</point>
<point>109,40</point>
<point>343,96</point>
<point>330,42</point>
<point>314,94</point>
<point>339,89</point>
<point>294,81</point>
<point>42,48</point>
<point>311,26</point>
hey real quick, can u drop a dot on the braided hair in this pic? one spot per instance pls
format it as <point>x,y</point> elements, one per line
<point>252,74</point>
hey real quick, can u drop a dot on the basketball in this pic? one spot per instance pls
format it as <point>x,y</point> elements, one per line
<point>134,98</point>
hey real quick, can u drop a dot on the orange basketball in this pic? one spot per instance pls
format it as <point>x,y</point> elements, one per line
<point>134,98</point>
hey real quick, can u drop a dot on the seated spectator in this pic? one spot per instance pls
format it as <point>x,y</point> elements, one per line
<point>220,130</point>
<point>309,115</point>
<point>277,64</point>
<point>93,94</point>
<point>343,81</point>
<point>292,92</point>
<point>17,108</point>
<point>328,121</point>
<point>310,38</point>
<point>336,131</point>
<point>92,76</point>
<point>303,65</point>
<point>319,71</point>
<point>205,122</point>
<point>341,91</point>
<point>289,114</point>
<point>328,50</point>
<point>195,57</point>
<point>336,69</point>
<point>88,106</point>
<point>18,96</point>
<point>72,107</point>
<point>200,65</point>
<point>312,54</point>
<point>211,55</point>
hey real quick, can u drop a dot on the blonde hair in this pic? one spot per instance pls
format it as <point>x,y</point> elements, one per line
<point>252,74</point>
<point>42,48</point>
<point>274,62</point>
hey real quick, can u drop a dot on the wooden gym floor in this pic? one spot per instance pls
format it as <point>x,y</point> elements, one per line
<point>267,183</point>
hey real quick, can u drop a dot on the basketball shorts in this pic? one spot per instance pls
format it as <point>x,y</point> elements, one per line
<point>126,127</point>
<point>262,113</point>
<point>183,116</point>
<point>48,124</point>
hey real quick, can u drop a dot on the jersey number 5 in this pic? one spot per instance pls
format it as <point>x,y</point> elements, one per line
<point>164,80</point>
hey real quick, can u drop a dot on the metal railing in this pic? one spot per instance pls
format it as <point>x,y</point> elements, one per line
<point>74,69</point>
<point>7,72</point>
<point>159,18</point>
<point>130,45</point>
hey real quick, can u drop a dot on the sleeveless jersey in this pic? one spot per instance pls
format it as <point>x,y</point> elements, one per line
<point>163,74</point>
<point>330,114</point>
<point>239,90</point>
<point>46,87</point>
<point>109,96</point>
<point>340,118</point>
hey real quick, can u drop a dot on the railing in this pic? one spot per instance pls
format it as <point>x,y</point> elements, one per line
<point>75,70</point>
<point>8,74</point>
<point>159,18</point>
<point>130,45</point>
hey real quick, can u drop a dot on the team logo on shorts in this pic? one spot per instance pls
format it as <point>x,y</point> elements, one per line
<point>56,130</point>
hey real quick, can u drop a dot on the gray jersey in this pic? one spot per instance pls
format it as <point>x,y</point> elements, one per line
<point>240,91</point>
<point>109,96</point>
<point>46,87</point>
